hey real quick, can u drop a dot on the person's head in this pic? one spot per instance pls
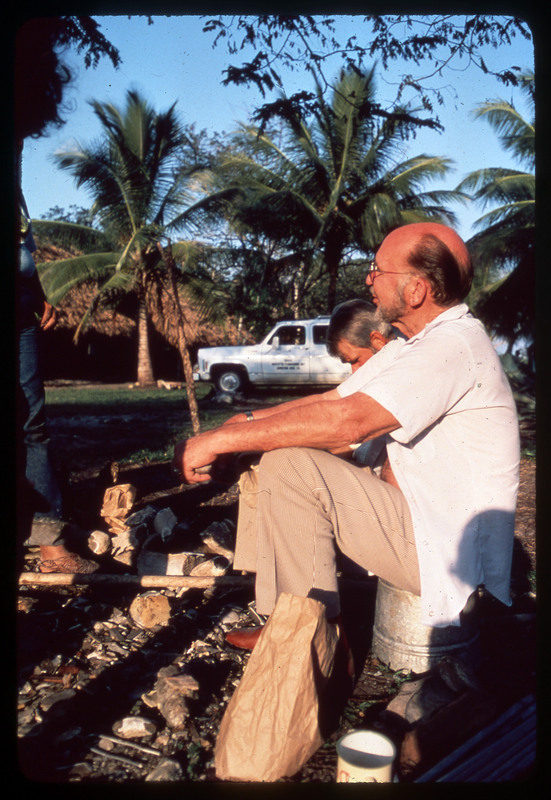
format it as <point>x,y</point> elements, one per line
<point>419,267</point>
<point>356,332</point>
<point>455,245</point>
<point>39,77</point>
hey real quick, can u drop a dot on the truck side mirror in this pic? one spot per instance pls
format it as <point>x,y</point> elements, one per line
<point>275,343</point>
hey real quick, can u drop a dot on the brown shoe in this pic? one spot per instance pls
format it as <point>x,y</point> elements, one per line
<point>244,638</point>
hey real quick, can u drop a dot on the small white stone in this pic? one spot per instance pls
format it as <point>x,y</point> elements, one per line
<point>99,542</point>
<point>134,727</point>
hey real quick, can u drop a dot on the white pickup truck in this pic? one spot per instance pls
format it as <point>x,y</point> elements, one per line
<point>294,352</point>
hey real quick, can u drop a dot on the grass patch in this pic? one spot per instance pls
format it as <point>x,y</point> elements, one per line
<point>106,398</point>
<point>91,425</point>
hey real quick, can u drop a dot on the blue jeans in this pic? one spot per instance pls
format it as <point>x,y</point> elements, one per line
<point>40,500</point>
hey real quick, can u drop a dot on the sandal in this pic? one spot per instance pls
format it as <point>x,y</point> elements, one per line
<point>71,563</point>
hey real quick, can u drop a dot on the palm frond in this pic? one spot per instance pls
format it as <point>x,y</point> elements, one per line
<point>498,185</point>
<point>503,292</point>
<point>414,172</point>
<point>59,277</point>
<point>69,234</point>
<point>514,132</point>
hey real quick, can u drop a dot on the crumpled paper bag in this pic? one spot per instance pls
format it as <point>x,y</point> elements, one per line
<point>271,726</point>
<point>117,503</point>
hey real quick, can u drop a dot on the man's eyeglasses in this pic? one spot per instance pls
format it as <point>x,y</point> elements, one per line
<point>374,271</point>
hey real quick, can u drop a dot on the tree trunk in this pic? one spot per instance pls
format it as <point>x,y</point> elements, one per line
<point>182,344</point>
<point>333,254</point>
<point>332,287</point>
<point>296,293</point>
<point>145,368</point>
<point>239,328</point>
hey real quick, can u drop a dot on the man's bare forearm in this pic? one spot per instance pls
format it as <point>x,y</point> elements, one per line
<point>322,425</point>
<point>264,413</point>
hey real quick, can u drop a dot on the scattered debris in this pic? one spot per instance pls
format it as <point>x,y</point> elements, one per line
<point>170,693</point>
<point>168,770</point>
<point>49,703</point>
<point>92,650</point>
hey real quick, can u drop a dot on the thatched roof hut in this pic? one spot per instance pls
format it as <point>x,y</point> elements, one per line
<point>121,322</point>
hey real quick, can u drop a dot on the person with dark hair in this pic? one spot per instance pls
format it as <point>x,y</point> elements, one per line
<point>39,81</point>
<point>439,522</point>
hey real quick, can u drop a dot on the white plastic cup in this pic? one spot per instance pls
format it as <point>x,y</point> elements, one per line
<point>365,757</point>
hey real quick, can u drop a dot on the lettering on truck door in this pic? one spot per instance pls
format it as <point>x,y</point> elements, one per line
<point>285,358</point>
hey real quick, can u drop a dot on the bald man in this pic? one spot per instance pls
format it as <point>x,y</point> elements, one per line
<point>455,244</point>
<point>440,520</point>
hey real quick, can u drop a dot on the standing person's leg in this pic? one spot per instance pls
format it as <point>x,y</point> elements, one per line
<point>40,490</point>
<point>44,492</point>
<point>308,502</point>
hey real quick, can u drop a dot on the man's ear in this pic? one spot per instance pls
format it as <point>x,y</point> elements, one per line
<point>377,340</point>
<point>417,290</point>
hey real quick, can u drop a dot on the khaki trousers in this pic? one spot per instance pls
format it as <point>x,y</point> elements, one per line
<point>298,505</point>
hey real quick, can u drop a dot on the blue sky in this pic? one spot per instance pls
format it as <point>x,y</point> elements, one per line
<point>172,60</point>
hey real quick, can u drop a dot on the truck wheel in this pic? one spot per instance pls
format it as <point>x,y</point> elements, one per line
<point>230,381</point>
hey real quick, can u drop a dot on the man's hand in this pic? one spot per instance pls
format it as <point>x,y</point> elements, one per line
<point>331,426</point>
<point>192,455</point>
<point>49,316</point>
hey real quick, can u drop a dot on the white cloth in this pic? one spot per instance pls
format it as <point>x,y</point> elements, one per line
<point>455,456</point>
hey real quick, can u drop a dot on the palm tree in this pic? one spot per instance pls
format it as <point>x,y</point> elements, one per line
<point>335,186</point>
<point>136,175</point>
<point>504,287</point>
<point>131,175</point>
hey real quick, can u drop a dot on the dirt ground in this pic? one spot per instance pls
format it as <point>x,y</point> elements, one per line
<point>81,640</point>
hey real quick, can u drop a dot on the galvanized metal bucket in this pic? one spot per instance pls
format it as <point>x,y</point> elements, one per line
<point>401,641</point>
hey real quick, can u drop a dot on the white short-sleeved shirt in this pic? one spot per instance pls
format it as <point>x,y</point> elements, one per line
<point>455,456</point>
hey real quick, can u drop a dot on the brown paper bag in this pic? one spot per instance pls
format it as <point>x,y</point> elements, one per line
<point>271,726</point>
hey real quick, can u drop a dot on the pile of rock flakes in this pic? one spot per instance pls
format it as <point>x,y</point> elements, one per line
<point>117,684</point>
<point>124,693</point>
